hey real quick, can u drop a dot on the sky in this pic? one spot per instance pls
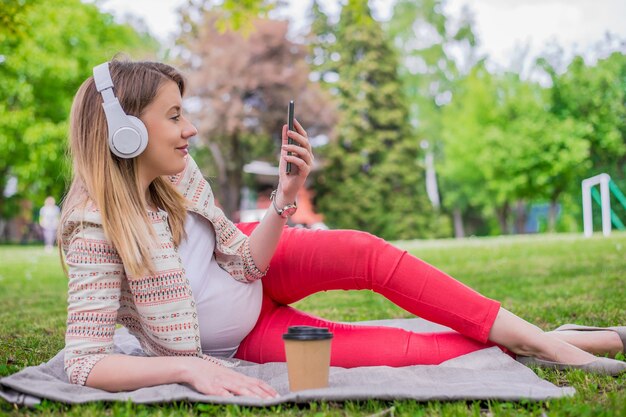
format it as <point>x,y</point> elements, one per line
<point>503,27</point>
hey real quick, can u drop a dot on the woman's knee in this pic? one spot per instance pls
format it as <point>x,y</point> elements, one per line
<point>365,243</point>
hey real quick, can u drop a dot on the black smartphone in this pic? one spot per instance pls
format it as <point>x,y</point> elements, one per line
<point>290,110</point>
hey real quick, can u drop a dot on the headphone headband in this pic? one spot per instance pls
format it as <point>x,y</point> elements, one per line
<point>102,77</point>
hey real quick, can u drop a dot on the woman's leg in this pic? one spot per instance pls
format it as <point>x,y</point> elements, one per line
<point>311,261</point>
<point>596,342</point>
<point>526,339</point>
<point>352,345</point>
<point>308,261</point>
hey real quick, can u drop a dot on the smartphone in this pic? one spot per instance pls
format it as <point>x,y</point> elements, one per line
<point>290,110</point>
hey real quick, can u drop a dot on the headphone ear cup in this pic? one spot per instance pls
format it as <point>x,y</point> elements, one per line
<point>130,140</point>
<point>143,133</point>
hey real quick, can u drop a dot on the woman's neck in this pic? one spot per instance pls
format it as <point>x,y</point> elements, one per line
<point>150,204</point>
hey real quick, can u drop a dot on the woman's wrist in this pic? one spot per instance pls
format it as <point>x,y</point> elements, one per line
<point>283,206</point>
<point>282,199</point>
<point>186,368</point>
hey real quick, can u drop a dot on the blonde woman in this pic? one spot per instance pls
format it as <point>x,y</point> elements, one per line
<point>146,247</point>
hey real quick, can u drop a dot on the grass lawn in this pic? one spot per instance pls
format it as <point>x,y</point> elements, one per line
<point>548,280</point>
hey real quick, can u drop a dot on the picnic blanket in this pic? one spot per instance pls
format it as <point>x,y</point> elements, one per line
<point>484,374</point>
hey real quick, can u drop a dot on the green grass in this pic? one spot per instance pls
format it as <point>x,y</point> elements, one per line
<point>548,280</point>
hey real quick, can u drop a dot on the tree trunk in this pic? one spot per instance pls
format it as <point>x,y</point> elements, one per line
<point>552,212</point>
<point>234,176</point>
<point>459,230</point>
<point>502,213</point>
<point>520,217</point>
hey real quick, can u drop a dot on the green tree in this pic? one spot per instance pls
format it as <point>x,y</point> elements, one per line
<point>595,94</point>
<point>436,49</point>
<point>430,43</point>
<point>503,150</point>
<point>46,55</point>
<point>237,14</point>
<point>321,39</point>
<point>465,123</point>
<point>372,180</point>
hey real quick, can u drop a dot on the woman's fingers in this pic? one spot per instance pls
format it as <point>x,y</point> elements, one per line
<point>299,135</point>
<point>303,166</point>
<point>299,128</point>
<point>222,392</point>
<point>257,391</point>
<point>253,388</point>
<point>300,152</point>
<point>285,134</point>
<point>248,386</point>
<point>299,138</point>
<point>304,151</point>
<point>260,388</point>
<point>217,380</point>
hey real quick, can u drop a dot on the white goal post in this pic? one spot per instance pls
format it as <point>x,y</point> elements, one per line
<point>587,184</point>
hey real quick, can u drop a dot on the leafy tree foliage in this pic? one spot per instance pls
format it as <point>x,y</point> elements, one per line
<point>502,148</point>
<point>240,84</point>
<point>321,41</point>
<point>430,44</point>
<point>237,14</point>
<point>373,179</point>
<point>48,49</point>
<point>436,49</point>
<point>595,94</point>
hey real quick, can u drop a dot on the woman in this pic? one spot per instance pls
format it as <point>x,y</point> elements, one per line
<point>147,248</point>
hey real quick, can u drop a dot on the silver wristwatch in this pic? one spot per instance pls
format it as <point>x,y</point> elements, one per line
<point>286,211</point>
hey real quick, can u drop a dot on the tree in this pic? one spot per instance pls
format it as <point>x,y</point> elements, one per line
<point>465,123</point>
<point>372,180</point>
<point>436,49</point>
<point>430,44</point>
<point>240,84</point>
<point>595,94</point>
<point>321,39</point>
<point>46,55</point>
<point>503,150</point>
<point>237,14</point>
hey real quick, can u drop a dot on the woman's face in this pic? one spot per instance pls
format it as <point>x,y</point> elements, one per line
<point>168,135</point>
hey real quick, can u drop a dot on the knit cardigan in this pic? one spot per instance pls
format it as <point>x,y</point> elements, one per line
<point>158,309</point>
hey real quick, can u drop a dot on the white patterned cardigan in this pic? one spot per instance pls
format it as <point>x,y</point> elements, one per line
<point>158,309</point>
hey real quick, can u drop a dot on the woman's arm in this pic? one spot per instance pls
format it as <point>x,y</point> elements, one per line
<point>95,278</point>
<point>264,239</point>
<point>126,373</point>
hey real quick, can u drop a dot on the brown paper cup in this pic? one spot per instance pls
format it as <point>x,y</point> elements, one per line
<point>307,350</point>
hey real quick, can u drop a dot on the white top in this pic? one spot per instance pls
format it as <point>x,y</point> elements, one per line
<point>227,309</point>
<point>49,216</point>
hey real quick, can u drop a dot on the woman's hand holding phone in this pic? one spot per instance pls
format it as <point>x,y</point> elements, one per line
<point>296,159</point>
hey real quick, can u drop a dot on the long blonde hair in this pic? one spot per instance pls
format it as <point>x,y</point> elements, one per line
<point>112,183</point>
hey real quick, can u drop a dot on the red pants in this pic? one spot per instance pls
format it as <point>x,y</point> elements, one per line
<point>308,261</point>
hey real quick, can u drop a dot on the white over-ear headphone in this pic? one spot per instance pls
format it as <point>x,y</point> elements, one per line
<point>128,136</point>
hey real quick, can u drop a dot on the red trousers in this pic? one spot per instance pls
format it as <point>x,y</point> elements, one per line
<point>308,261</point>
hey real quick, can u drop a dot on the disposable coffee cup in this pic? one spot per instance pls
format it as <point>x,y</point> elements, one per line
<point>307,350</point>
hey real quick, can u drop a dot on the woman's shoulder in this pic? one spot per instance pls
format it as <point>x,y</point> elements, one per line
<point>86,212</point>
<point>84,221</point>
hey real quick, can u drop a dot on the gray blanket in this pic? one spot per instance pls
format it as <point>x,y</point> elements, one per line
<point>485,374</point>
